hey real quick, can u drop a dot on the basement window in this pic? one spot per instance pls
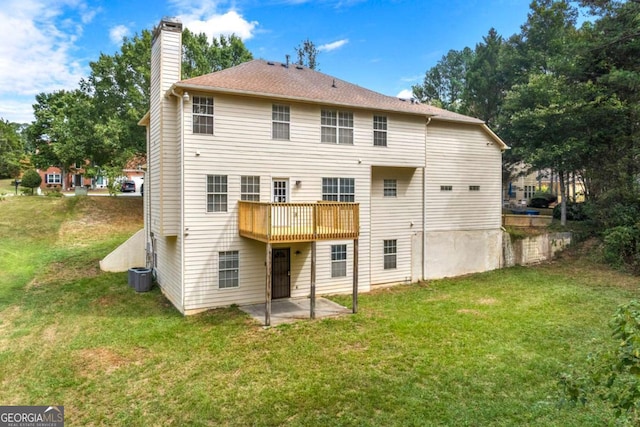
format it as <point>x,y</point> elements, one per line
<point>390,254</point>
<point>228,269</point>
<point>338,260</point>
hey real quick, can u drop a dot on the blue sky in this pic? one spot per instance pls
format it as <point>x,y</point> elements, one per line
<point>386,46</point>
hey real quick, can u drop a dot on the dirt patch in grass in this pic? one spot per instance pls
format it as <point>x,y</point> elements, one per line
<point>96,218</point>
<point>94,361</point>
<point>487,301</point>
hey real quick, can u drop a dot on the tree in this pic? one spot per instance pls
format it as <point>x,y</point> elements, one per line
<point>307,54</point>
<point>62,132</point>
<point>31,179</point>
<point>11,149</point>
<point>199,57</point>
<point>444,84</point>
<point>486,81</point>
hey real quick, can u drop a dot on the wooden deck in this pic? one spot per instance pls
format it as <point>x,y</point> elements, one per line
<point>298,222</point>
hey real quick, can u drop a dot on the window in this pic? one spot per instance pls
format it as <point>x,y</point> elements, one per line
<point>52,178</point>
<point>338,260</point>
<point>216,193</point>
<point>529,190</point>
<point>203,115</point>
<point>250,188</point>
<point>337,127</point>
<point>338,189</point>
<point>446,188</point>
<point>379,131</point>
<point>474,188</point>
<point>280,121</point>
<point>228,267</point>
<point>390,254</point>
<point>390,188</point>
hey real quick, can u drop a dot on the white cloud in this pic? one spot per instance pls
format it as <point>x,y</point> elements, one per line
<point>38,38</point>
<point>216,25</point>
<point>328,47</point>
<point>405,94</point>
<point>117,33</point>
<point>202,17</point>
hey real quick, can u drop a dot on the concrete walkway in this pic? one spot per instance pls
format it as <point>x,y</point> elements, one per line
<point>294,309</point>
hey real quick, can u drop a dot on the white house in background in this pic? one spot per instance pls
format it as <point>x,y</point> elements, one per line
<point>271,180</point>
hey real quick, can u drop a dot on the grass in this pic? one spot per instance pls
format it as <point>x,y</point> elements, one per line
<point>480,350</point>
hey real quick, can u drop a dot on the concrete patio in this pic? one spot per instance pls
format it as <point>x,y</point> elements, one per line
<point>294,309</point>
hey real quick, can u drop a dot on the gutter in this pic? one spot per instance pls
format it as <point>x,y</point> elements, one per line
<point>424,200</point>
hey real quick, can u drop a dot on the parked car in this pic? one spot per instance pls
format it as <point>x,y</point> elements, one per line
<point>128,186</point>
<point>542,200</point>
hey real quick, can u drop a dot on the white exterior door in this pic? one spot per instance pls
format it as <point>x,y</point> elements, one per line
<point>280,193</point>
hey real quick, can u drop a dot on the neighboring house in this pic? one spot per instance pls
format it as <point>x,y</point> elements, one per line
<point>270,180</point>
<point>53,178</point>
<point>73,177</point>
<point>526,182</point>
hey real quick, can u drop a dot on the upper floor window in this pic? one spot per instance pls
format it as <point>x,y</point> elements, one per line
<point>250,188</point>
<point>390,188</point>
<point>281,118</point>
<point>337,127</point>
<point>203,114</point>
<point>216,193</point>
<point>380,131</point>
<point>338,189</point>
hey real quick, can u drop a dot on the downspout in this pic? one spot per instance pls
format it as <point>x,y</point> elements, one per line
<point>424,200</point>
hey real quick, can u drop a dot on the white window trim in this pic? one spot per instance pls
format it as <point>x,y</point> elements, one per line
<point>337,116</point>
<point>390,186</point>
<point>196,104</point>
<point>250,191</point>
<point>275,111</point>
<point>235,257</point>
<point>380,128</point>
<point>223,194</point>
<point>340,195</point>
<point>336,251</point>
<point>394,254</point>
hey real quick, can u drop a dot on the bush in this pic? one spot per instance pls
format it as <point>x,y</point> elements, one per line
<point>575,211</point>
<point>613,375</point>
<point>31,179</point>
<point>621,247</point>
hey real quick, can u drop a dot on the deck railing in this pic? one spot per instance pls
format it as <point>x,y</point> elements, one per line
<point>298,222</point>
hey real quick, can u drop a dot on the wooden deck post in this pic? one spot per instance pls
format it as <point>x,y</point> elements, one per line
<point>355,275</point>
<point>267,303</point>
<point>312,303</point>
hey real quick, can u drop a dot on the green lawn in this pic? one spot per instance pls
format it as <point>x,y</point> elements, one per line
<point>481,350</point>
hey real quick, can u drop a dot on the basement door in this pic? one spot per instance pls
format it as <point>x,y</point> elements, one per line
<point>280,276</point>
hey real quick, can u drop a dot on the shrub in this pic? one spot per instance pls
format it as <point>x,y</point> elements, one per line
<point>621,246</point>
<point>31,179</point>
<point>575,211</point>
<point>613,375</point>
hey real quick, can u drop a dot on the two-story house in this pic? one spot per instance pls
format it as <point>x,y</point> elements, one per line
<point>271,180</point>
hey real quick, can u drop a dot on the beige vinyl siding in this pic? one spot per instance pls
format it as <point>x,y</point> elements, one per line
<point>169,268</point>
<point>162,182</point>
<point>395,218</point>
<point>242,145</point>
<point>460,155</point>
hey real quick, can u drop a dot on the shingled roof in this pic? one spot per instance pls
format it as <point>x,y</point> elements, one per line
<point>293,82</point>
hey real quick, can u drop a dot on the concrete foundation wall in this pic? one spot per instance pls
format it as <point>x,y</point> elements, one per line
<point>532,250</point>
<point>454,253</point>
<point>129,254</point>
